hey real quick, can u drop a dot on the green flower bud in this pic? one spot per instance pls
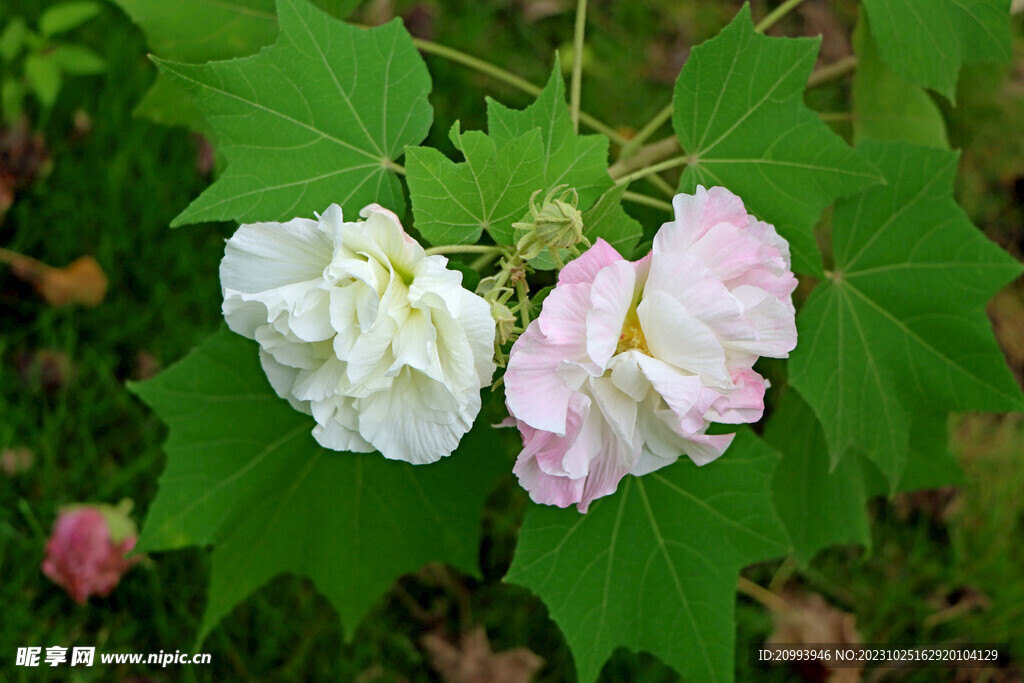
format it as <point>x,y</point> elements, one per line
<point>555,224</point>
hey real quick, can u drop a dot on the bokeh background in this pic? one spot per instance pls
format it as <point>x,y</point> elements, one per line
<point>89,178</point>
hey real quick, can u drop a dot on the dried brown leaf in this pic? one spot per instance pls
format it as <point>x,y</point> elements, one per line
<point>472,661</point>
<point>809,619</point>
<point>80,282</point>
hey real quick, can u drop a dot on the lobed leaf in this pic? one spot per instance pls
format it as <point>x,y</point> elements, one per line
<point>886,107</point>
<point>318,118</point>
<point>453,203</point>
<point>198,31</point>
<point>654,566</point>
<point>580,161</point>
<point>926,43</point>
<point>245,476</point>
<point>899,328</point>
<point>739,114</point>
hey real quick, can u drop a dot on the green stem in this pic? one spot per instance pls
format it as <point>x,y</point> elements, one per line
<point>832,71</point>
<point>662,185</point>
<point>777,14</point>
<point>577,63</point>
<point>647,201</point>
<point>524,303</point>
<point>508,78</point>
<point>483,261</point>
<point>647,131</point>
<point>651,170</point>
<point>464,249</point>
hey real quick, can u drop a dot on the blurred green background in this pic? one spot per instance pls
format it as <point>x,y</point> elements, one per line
<point>946,565</point>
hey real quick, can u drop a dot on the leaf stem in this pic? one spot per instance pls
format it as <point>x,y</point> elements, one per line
<point>777,14</point>
<point>656,168</point>
<point>524,303</point>
<point>577,63</point>
<point>509,78</point>
<point>647,201</point>
<point>831,72</point>
<point>645,156</point>
<point>647,131</point>
<point>762,595</point>
<point>464,249</point>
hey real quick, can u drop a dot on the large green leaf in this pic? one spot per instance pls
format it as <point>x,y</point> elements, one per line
<point>317,118</point>
<point>819,507</point>
<point>454,202</point>
<point>577,160</point>
<point>739,113</point>
<point>926,42</point>
<point>822,506</point>
<point>899,327</point>
<point>245,476</point>
<point>885,106</point>
<point>198,31</point>
<point>654,566</point>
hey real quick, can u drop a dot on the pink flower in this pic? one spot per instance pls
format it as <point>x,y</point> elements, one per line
<point>86,551</point>
<point>629,362</point>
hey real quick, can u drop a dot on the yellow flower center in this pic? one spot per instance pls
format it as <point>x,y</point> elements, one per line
<point>632,336</point>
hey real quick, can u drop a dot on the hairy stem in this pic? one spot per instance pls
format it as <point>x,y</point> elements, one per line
<point>762,595</point>
<point>647,131</point>
<point>647,201</point>
<point>777,14</point>
<point>832,71</point>
<point>645,156</point>
<point>577,64</point>
<point>651,170</point>
<point>464,249</point>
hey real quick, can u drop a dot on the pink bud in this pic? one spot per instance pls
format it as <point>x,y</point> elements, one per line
<point>86,551</point>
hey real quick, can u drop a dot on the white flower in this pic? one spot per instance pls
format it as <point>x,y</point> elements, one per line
<point>360,328</point>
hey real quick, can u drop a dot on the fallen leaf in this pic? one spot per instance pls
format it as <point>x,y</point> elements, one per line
<point>472,661</point>
<point>15,460</point>
<point>46,370</point>
<point>24,159</point>
<point>939,505</point>
<point>80,282</point>
<point>809,619</point>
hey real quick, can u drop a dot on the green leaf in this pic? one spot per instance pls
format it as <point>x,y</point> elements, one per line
<point>739,113</point>
<point>12,40</point>
<point>66,16</point>
<point>44,78</point>
<point>818,506</point>
<point>885,106</point>
<point>74,59</point>
<point>317,118</point>
<point>606,220</point>
<point>654,566</point>
<point>453,203</point>
<point>245,476</point>
<point>199,31</point>
<point>580,161</point>
<point>927,42</point>
<point>899,328</point>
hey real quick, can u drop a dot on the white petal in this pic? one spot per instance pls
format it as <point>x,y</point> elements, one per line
<point>264,256</point>
<point>611,297</point>
<point>282,378</point>
<point>676,337</point>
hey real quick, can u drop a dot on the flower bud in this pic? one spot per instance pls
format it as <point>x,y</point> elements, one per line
<point>555,224</point>
<point>86,552</point>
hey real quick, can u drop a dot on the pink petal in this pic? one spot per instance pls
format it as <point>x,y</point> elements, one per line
<point>585,268</point>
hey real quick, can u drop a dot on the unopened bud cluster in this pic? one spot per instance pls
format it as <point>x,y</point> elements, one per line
<point>555,224</point>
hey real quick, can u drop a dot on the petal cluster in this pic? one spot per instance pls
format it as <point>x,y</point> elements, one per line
<point>629,362</point>
<point>85,554</point>
<point>360,328</point>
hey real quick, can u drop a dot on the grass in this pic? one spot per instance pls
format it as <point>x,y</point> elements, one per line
<point>112,194</point>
